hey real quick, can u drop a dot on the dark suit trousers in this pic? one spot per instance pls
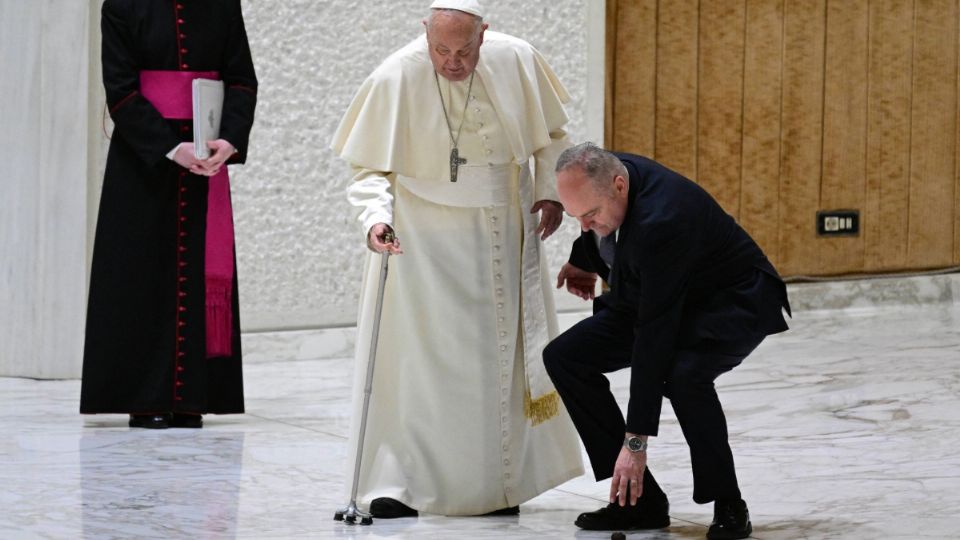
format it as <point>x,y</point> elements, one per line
<point>576,361</point>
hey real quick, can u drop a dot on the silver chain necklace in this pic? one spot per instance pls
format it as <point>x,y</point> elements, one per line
<point>455,159</point>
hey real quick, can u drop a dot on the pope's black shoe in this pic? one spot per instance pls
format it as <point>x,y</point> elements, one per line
<point>508,511</point>
<point>150,421</point>
<point>613,517</point>
<point>731,520</point>
<point>180,420</point>
<point>387,508</point>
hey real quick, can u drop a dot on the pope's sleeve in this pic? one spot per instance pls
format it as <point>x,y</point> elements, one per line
<point>240,87</point>
<point>136,120</point>
<point>372,191</point>
<point>552,97</point>
<point>665,260</point>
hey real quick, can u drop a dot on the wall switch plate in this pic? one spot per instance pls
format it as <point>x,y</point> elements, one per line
<point>838,223</point>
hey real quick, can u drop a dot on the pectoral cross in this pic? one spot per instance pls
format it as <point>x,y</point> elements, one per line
<point>455,162</point>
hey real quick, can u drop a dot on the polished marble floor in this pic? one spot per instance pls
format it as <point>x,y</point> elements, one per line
<point>848,426</point>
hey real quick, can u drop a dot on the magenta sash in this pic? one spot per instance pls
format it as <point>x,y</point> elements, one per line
<point>171,93</point>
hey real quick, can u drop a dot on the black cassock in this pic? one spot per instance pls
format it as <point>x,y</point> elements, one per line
<point>145,349</point>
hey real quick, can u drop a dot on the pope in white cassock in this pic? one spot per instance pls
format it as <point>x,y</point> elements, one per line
<point>463,418</point>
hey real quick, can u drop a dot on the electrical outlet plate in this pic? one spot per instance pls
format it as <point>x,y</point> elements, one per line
<point>838,223</point>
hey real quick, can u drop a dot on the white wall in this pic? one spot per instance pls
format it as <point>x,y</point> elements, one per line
<point>44,105</point>
<point>299,246</point>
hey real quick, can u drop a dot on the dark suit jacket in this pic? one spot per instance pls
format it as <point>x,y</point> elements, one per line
<point>687,274</point>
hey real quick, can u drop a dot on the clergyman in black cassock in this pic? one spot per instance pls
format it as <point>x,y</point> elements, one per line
<point>146,351</point>
<point>691,295</point>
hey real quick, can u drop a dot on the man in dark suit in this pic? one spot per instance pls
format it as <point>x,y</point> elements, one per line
<point>691,295</point>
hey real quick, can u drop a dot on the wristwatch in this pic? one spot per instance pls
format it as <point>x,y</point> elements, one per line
<point>635,444</point>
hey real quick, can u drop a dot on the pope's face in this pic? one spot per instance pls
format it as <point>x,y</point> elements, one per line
<point>600,209</point>
<point>454,40</point>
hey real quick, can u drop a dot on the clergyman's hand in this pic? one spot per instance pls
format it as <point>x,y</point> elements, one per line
<point>551,214</point>
<point>381,239</point>
<point>579,282</point>
<point>185,157</point>
<point>221,151</point>
<point>628,472</point>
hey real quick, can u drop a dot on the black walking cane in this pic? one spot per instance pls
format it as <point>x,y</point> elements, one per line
<point>351,512</point>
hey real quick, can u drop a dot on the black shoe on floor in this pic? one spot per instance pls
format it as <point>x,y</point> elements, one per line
<point>508,511</point>
<point>180,420</point>
<point>387,508</point>
<point>731,520</point>
<point>613,517</point>
<point>150,421</point>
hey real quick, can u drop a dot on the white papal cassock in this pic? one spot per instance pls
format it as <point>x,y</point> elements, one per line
<point>463,419</point>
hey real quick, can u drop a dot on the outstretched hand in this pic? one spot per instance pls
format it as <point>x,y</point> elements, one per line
<point>579,282</point>
<point>628,477</point>
<point>551,214</point>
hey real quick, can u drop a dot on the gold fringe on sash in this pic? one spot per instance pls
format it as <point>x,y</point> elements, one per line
<point>541,409</point>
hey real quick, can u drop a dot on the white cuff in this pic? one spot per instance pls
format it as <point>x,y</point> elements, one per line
<point>372,191</point>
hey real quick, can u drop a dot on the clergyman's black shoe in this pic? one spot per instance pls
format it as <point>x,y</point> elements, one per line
<point>731,520</point>
<point>150,421</point>
<point>180,420</point>
<point>387,508</point>
<point>613,517</point>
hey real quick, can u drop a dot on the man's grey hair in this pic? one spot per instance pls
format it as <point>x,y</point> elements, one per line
<point>599,165</point>
<point>477,21</point>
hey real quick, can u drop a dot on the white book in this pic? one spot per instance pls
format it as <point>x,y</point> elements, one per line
<point>207,110</point>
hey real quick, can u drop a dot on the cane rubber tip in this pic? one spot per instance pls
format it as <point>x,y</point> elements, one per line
<point>618,536</point>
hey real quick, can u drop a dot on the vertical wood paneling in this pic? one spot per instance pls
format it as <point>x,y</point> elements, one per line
<point>781,108</point>
<point>930,238</point>
<point>610,74</point>
<point>762,88</point>
<point>844,129</point>
<point>676,129</point>
<point>801,133</point>
<point>888,134</point>
<point>635,102</point>
<point>720,100</point>
<point>956,185</point>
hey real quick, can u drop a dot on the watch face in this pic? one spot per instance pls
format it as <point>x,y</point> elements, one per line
<point>635,444</point>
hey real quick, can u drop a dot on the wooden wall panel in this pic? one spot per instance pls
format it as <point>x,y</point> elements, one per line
<point>801,133</point>
<point>720,101</point>
<point>932,170</point>
<point>844,129</point>
<point>636,77</point>
<point>781,108</point>
<point>884,227</point>
<point>676,129</point>
<point>763,64</point>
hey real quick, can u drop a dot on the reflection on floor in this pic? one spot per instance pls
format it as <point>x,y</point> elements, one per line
<point>848,426</point>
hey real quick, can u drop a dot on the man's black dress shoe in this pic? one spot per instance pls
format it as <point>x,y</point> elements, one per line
<point>508,511</point>
<point>150,421</point>
<point>387,508</point>
<point>613,517</point>
<point>731,520</point>
<point>180,420</point>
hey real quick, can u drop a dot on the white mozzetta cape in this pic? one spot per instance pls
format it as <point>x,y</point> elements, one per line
<point>391,124</point>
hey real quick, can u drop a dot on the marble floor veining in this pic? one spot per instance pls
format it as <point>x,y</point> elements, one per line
<point>848,426</point>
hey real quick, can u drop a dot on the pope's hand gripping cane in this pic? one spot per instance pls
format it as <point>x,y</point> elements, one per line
<point>351,512</point>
